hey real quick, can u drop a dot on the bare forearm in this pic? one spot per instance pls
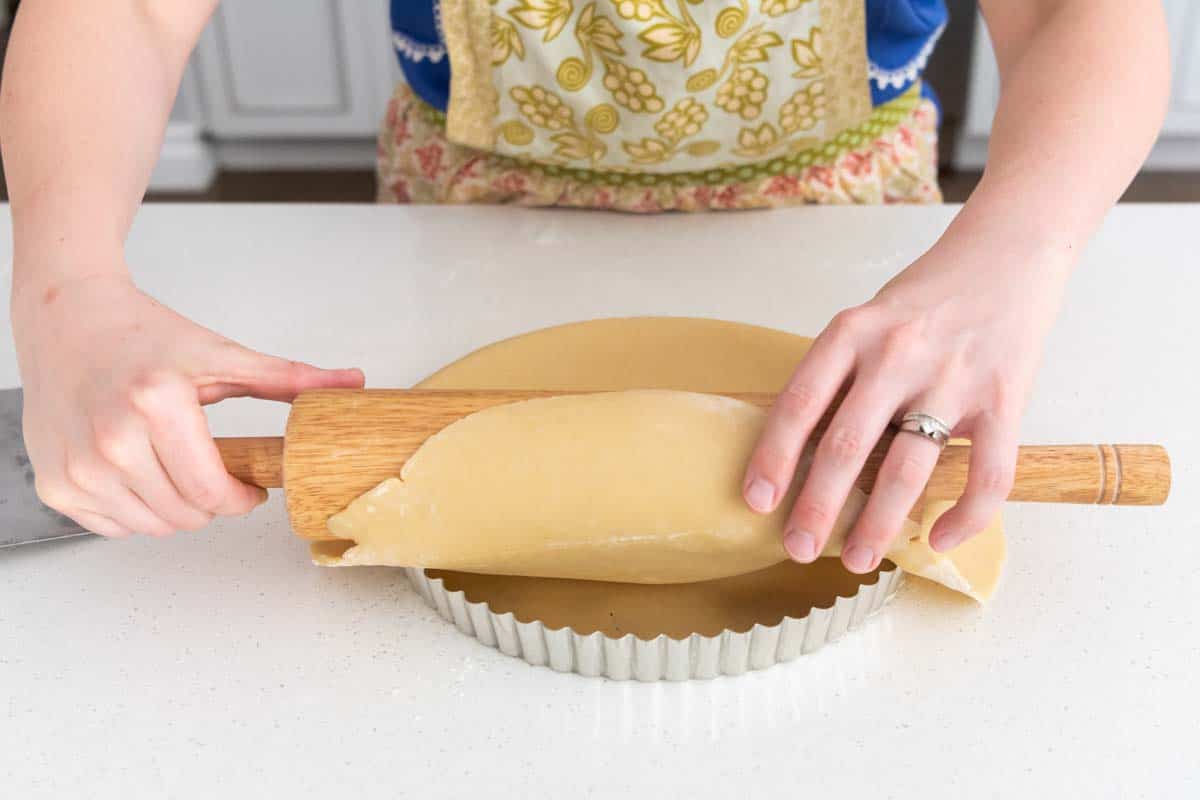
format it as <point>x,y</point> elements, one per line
<point>113,420</point>
<point>87,91</point>
<point>1084,89</point>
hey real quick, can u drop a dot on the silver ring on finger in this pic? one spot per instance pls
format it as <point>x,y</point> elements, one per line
<point>926,425</point>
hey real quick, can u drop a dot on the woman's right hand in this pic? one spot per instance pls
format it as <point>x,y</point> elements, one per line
<point>114,384</point>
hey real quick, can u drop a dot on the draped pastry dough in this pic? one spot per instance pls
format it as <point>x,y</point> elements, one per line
<point>636,486</point>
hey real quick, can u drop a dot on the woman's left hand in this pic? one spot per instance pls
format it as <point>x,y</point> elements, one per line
<point>958,334</point>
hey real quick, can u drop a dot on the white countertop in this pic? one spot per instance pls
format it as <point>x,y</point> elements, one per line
<point>223,663</point>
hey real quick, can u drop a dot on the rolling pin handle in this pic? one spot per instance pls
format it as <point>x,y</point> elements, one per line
<point>256,460</point>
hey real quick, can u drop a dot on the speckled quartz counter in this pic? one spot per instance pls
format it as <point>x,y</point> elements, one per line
<point>223,664</point>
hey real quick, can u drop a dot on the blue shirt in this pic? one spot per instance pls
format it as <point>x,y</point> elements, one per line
<point>900,36</point>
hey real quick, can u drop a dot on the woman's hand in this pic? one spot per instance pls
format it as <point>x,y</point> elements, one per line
<point>957,335</point>
<point>114,383</point>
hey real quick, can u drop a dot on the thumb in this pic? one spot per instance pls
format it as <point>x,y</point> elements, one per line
<point>270,378</point>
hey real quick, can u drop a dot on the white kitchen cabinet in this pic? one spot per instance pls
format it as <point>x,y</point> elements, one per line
<point>299,84</point>
<point>1178,146</point>
<point>294,68</point>
<point>187,161</point>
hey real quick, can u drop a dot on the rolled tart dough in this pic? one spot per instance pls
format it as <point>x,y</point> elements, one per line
<point>634,486</point>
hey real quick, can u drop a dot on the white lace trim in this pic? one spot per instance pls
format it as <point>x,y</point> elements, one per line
<point>896,78</point>
<point>418,51</point>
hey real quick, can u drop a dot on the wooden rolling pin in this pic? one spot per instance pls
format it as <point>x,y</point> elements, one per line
<point>341,443</point>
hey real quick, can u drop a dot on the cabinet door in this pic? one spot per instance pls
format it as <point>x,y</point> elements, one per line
<point>294,68</point>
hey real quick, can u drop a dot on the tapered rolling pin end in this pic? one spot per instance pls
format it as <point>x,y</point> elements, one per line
<point>1134,475</point>
<point>1099,474</point>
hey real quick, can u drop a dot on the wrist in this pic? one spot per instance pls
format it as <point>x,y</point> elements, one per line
<point>35,291</point>
<point>1010,245</point>
<point>1031,226</point>
<point>986,270</point>
<point>56,247</point>
<point>40,273</point>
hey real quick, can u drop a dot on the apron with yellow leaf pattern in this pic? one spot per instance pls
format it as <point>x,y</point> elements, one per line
<point>650,105</point>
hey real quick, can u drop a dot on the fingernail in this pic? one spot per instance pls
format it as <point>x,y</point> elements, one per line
<point>858,558</point>
<point>760,495</point>
<point>801,546</point>
<point>263,496</point>
<point>946,540</point>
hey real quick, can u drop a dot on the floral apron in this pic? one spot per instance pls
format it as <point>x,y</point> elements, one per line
<point>653,105</point>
